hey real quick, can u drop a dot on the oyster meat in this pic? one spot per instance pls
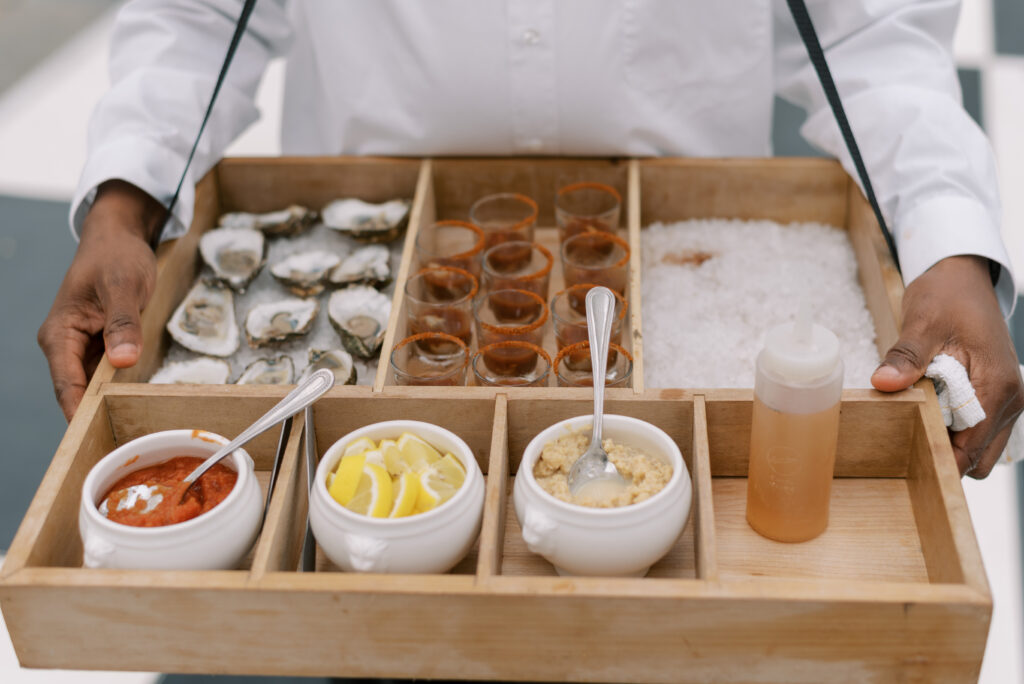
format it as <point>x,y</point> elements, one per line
<point>234,254</point>
<point>338,361</point>
<point>365,221</point>
<point>368,265</point>
<point>360,315</point>
<point>280,320</point>
<point>204,322</point>
<point>304,273</point>
<point>201,371</point>
<point>286,222</point>
<point>271,371</point>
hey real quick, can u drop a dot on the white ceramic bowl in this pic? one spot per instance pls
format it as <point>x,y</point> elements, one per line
<point>624,541</point>
<point>216,540</point>
<point>431,542</point>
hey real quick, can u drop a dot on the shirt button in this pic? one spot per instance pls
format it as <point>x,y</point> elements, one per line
<point>531,37</point>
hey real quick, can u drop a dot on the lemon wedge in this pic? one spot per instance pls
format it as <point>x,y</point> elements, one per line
<point>439,482</point>
<point>373,495</point>
<point>415,454</point>
<point>405,498</point>
<point>346,478</point>
<point>359,446</point>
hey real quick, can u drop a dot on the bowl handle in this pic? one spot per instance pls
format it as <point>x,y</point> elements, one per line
<point>538,532</point>
<point>366,554</point>
<point>97,551</point>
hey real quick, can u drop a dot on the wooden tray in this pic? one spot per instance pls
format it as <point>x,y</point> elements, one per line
<point>893,591</point>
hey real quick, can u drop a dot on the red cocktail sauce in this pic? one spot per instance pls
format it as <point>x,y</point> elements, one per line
<point>214,485</point>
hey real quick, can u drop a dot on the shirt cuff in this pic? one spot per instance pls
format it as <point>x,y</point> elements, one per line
<point>143,163</point>
<point>948,226</point>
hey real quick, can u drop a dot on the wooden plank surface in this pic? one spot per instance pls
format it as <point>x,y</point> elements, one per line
<point>703,509</point>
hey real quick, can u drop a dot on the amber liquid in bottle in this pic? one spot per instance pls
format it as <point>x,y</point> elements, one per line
<point>792,457</point>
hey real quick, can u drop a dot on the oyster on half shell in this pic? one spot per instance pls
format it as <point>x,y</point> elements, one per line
<point>278,370</point>
<point>368,265</point>
<point>304,273</point>
<point>360,315</point>
<point>201,371</point>
<point>365,221</point>
<point>291,221</point>
<point>280,320</point>
<point>338,361</point>
<point>204,322</point>
<point>236,255</point>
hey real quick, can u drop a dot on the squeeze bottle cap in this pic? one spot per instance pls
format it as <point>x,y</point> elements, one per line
<point>800,352</point>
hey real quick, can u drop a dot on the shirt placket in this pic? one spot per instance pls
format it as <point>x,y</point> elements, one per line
<point>532,76</point>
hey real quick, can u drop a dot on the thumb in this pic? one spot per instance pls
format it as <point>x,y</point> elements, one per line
<point>122,328</point>
<point>906,361</point>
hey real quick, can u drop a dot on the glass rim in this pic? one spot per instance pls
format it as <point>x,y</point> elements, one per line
<point>554,314</point>
<point>585,344</point>
<point>478,246</point>
<point>528,201</point>
<point>455,269</point>
<point>598,233</point>
<point>588,185</point>
<point>512,343</point>
<point>517,330</point>
<point>544,251</point>
<point>463,352</point>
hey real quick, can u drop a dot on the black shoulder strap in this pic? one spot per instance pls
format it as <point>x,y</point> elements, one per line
<point>243,20</point>
<point>798,8</point>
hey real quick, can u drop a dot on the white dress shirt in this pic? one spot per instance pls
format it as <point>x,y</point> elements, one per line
<point>560,77</point>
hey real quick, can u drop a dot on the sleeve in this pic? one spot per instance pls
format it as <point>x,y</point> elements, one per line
<point>164,61</point>
<point>931,166</point>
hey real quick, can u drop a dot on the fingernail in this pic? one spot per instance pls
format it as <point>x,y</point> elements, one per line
<point>124,349</point>
<point>885,372</point>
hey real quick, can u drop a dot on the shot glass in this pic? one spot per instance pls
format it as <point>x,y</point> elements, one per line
<point>512,363</point>
<point>510,315</point>
<point>569,315</point>
<point>597,258</point>
<point>573,368</point>
<point>504,217</point>
<point>518,265</point>
<point>440,299</point>
<point>431,358</point>
<point>451,243</point>
<point>587,208</point>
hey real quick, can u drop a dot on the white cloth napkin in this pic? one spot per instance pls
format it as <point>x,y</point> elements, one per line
<point>960,406</point>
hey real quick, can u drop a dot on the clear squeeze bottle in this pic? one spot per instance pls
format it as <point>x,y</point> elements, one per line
<point>794,431</point>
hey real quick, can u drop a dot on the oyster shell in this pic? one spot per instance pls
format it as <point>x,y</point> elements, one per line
<point>304,273</point>
<point>360,315</point>
<point>338,361</point>
<point>287,222</point>
<point>271,371</point>
<point>201,371</point>
<point>204,322</point>
<point>365,221</point>
<point>280,320</point>
<point>236,255</point>
<point>370,265</point>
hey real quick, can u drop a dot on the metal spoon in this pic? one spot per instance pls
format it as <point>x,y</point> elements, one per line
<point>593,470</point>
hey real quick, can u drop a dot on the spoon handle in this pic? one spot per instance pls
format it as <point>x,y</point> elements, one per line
<point>299,398</point>
<point>600,312</point>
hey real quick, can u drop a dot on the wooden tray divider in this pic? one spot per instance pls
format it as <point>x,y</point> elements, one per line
<point>492,529</point>
<point>635,298</point>
<point>422,213</point>
<point>703,510</point>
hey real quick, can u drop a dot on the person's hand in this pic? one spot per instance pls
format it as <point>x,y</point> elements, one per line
<point>108,283</point>
<point>952,308</point>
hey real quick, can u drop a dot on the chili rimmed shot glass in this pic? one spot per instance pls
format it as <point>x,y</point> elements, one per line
<point>430,358</point>
<point>569,315</point>
<point>451,243</point>
<point>440,299</point>
<point>504,217</point>
<point>518,265</point>
<point>597,258</point>
<point>587,208</point>
<point>510,315</point>
<point>572,366</point>
<point>512,363</point>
